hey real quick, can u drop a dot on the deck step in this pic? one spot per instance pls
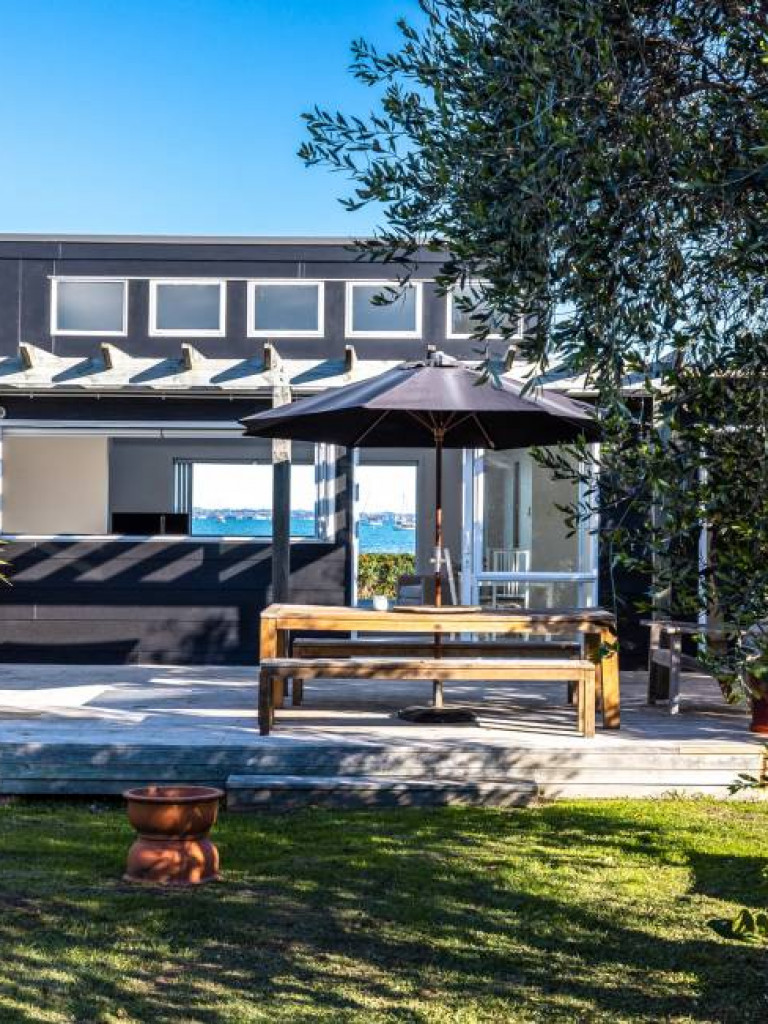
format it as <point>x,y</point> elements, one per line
<point>286,792</point>
<point>583,768</point>
<point>55,767</point>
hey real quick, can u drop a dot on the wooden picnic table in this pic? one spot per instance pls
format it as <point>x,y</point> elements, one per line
<point>597,625</point>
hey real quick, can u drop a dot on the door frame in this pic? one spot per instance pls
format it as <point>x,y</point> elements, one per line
<point>408,458</point>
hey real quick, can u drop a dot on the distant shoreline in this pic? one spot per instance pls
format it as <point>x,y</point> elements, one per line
<point>381,538</point>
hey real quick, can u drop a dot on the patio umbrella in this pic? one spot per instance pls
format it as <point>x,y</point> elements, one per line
<point>433,403</point>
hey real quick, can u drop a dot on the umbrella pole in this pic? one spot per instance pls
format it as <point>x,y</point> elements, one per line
<point>437,684</point>
<point>438,516</point>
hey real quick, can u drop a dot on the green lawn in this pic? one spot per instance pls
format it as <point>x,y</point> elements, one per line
<point>574,912</point>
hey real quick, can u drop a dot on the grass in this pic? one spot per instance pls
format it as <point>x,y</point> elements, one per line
<point>574,912</point>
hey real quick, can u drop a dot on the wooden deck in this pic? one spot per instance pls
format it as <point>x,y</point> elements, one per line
<point>95,730</point>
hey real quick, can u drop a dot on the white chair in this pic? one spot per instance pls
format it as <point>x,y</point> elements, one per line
<point>511,591</point>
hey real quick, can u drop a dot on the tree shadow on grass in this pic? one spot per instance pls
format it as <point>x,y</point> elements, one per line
<point>384,916</point>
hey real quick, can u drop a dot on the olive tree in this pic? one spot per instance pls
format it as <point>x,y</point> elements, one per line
<point>601,166</point>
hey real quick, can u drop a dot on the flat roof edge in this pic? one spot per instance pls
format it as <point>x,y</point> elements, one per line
<point>23,236</point>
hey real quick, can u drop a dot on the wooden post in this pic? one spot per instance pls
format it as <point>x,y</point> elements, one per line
<point>437,684</point>
<point>2,481</point>
<point>344,493</point>
<point>281,506</point>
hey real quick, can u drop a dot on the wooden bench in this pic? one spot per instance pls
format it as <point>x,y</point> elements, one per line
<point>424,647</point>
<point>276,671</point>
<point>665,663</point>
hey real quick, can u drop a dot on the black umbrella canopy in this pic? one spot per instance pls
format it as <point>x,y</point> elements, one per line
<point>438,403</point>
<point>414,405</point>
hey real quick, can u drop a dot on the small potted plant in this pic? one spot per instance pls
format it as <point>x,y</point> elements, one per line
<point>757,680</point>
<point>756,675</point>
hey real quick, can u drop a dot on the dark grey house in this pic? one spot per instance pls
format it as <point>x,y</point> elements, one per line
<point>125,364</point>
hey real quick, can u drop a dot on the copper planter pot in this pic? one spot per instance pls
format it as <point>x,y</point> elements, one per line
<point>759,721</point>
<point>173,823</point>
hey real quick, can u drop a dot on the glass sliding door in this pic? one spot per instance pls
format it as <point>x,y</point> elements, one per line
<point>519,553</point>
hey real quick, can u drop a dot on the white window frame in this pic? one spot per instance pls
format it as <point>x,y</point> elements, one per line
<point>187,332</point>
<point>254,332</point>
<point>349,331</point>
<point>75,279</point>
<point>449,331</point>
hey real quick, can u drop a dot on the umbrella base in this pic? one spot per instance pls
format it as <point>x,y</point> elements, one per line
<point>428,715</point>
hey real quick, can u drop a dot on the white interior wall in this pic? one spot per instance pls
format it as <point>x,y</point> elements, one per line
<point>55,485</point>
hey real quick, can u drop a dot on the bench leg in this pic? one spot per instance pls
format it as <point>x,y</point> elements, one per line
<point>278,693</point>
<point>278,683</point>
<point>572,696</point>
<point>437,693</point>
<point>266,703</point>
<point>586,704</point>
<point>297,692</point>
<point>587,688</point>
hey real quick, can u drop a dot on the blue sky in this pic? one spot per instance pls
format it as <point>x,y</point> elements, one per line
<point>176,116</point>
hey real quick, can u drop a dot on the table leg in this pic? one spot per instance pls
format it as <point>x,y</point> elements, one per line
<point>267,639</point>
<point>609,683</point>
<point>675,658</point>
<point>607,673</point>
<point>267,645</point>
<point>653,645</point>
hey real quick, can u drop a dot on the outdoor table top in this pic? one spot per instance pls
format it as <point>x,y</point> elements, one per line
<point>450,617</point>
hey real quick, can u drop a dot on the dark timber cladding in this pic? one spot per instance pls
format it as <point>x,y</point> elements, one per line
<point>27,264</point>
<point>160,600</point>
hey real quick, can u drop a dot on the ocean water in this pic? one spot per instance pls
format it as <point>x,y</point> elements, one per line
<point>381,538</point>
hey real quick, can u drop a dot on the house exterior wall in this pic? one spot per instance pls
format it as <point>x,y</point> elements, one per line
<point>190,599</point>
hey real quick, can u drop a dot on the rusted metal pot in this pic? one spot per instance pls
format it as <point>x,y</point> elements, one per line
<point>173,823</point>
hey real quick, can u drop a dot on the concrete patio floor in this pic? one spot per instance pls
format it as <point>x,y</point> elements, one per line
<point>65,728</point>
